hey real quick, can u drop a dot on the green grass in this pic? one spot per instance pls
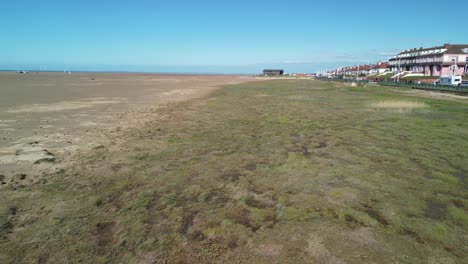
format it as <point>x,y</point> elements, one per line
<point>288,171</point>
<point>384,76</point>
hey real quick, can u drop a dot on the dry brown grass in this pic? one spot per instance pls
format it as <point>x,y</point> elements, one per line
<point>398,106</point>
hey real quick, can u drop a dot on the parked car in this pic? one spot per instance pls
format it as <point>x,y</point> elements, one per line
<point>464,83</point>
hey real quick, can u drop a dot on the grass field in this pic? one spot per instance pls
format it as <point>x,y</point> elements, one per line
<point>290,171</point>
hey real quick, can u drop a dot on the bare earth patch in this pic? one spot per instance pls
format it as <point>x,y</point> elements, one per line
<point>47,113</point>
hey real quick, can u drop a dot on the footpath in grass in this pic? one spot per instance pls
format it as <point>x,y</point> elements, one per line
<point>290,171</point>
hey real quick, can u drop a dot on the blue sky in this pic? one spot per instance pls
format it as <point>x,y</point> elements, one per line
<point>219,36</point>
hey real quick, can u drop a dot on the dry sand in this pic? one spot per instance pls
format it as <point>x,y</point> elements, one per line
<point>46,117</point>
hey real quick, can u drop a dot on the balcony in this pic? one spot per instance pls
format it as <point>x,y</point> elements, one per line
<point>426,61</point>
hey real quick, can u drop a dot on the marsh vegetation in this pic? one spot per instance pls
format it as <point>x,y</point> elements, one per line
<point>292,171</point>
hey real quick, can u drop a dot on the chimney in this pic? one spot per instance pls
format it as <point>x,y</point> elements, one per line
<point>446,45</point>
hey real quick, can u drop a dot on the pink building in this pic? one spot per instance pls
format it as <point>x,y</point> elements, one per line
<point>444,60</point>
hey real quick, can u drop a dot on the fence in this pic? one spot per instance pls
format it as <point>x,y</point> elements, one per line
<point>425,86</point>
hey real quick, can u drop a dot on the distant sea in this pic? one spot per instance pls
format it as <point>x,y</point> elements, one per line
<point>134,72</point>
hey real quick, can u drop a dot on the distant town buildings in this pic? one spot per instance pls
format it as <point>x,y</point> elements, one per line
<point>436,61</point>
<point>378,68</point>
<point>273,72</point>
<point>445,60</point>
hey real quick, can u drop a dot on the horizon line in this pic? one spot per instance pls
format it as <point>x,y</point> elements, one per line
<point>138,72</point>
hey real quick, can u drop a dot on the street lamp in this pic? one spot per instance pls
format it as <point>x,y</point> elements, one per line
<point>454,67</point>
<point>398,73</point>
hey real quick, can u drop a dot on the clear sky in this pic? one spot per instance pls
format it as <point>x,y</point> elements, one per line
<point>240,36</point>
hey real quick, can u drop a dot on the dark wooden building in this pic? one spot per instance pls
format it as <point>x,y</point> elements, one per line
<point>273,72</point>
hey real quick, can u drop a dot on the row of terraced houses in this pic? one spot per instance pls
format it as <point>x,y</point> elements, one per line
<point>445,60</point>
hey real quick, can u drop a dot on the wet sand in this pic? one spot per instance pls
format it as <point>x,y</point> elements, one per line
<point>46,117</point>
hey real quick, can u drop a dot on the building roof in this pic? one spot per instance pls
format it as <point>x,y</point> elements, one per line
<point>383,65</point>
<point>409,51</point>
<point>422,52</point>
<point>457,49</point>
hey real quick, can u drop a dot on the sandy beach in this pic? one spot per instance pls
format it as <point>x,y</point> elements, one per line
<point>46,117</point>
